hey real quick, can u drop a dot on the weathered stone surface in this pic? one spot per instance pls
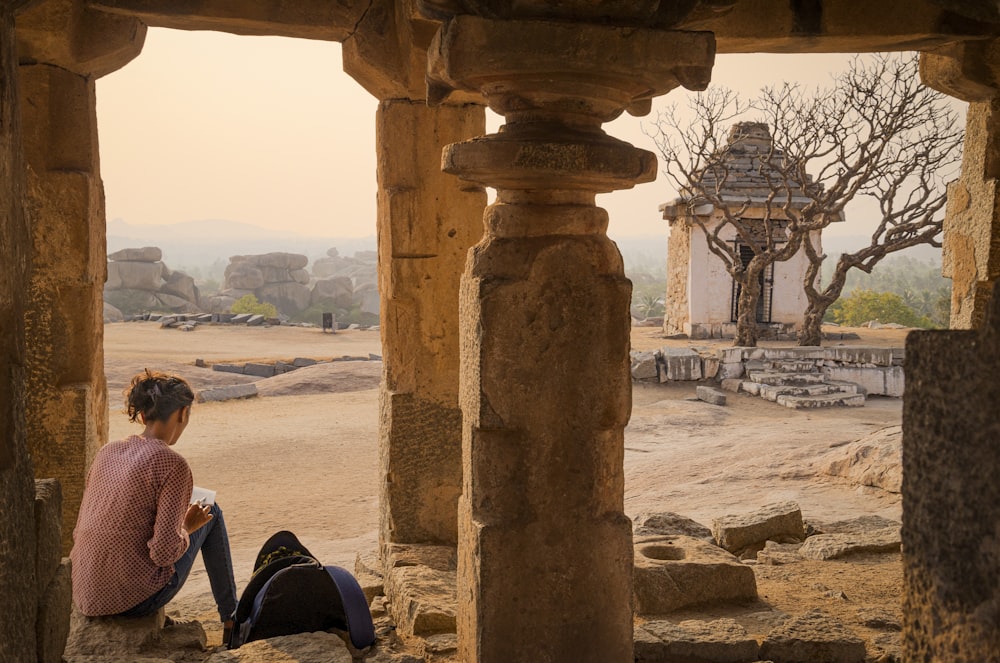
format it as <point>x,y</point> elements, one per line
<point>710,367</point>
<point>318,647</point>
<point>730,370</point>
<point>256,321</point>
<point>112,636</point>
<point>774,521</point>
<point>421,582</point>
<point>55,603</point>
<point>673,572</point>
<point>872,380</point>
<point>851,354</point>
<point>731,385</point>
<point>776,554</point>
<point>875,460</point>
<point>814,638</point>
<point>144,254</point>
<point>112,314</point>
<point>718,641</point>
<point>48,531</point>
<point>368,571</point>
<point>260,370</point>
<point>667,523</point>
<point>710,395</point>
<point>287,297</point>
<point>339,291</point>
<point>679,364</point>
<point>644,366</point>
<point>227,393</point>
<point>228,368</point>
<point>244,276</point>
<point>864,534</point>
<point>181,285</point>
<point>135,275</point>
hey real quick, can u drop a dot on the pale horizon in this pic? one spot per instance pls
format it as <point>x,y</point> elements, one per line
<point>271,132</point>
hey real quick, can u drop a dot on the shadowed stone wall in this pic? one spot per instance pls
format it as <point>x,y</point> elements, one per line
<point>951,495</point>
<point>17,492</point>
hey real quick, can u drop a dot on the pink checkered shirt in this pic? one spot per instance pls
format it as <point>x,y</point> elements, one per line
<point>129,532</point>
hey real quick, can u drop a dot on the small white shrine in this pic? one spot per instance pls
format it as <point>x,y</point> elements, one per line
<point>701,297</point>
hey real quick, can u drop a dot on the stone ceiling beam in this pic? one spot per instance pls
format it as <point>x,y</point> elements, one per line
<point>837,26</point>
<point>305,19</point>
<point>69,35</point>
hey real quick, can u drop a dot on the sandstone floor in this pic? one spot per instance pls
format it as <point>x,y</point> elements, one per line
<point>304,458</point>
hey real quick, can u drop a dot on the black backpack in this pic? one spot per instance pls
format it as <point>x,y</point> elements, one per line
<point>291,592</point>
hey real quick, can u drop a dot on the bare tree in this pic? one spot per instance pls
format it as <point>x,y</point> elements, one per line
<point>876,133</point>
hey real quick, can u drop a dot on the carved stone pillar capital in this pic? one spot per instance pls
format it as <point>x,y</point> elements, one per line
<point>71,35</point>
<point>968,70</point>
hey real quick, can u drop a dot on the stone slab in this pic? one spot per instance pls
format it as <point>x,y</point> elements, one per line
<point>814,637</point>
<point>853,354</point>
<point>668,524</point>
<point>227,393</point>
<point>680,364</point>
<point>259,370</point>
<point>718,641</point>
<point>674,572</point>
<point>644,366</point>
<point>829,400</point>
<point>872,380</point>
<point>710,395</point>
<point>124,637</point>
<point>228,368</point>
<point>48,531</point>
<point>421,579</point>
<point>773,521</point>
<point>52,622</point>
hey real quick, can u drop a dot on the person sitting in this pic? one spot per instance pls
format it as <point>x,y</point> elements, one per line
<point>138,533</point>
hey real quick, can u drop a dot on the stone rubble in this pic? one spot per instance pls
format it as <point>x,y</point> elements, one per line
<point>778,522</point>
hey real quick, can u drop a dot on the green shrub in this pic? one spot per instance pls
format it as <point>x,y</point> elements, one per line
<point>249,304</point>
<point>862,306</point>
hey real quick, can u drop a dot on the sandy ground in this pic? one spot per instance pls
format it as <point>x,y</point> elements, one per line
<point>306,461</point>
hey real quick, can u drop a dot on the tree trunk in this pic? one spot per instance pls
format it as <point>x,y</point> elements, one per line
<point>812,332</point>
<point>746,316</point>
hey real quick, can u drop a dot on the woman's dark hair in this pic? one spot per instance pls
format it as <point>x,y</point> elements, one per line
<point>156,396</point>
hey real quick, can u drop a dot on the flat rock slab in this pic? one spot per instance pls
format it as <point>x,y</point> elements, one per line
<point>112,636</point>
<point>669,524</point>
<point>814,637</point>
<point>867,534</point>
<point>422,580</point>
<point>875,460</point>
<point>776,522</point>
<point>316,647</point>
<point>719,641</point>
<point>673,572</point>
<point>227,393</point>
<point>710,395</point>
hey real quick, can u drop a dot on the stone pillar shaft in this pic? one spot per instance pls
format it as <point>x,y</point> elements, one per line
<point>426,224</point>
<point>951,496</point>
<point>67,396</point>
<point>972,223</point>
<point>18,593</point>
<point>545,549</point>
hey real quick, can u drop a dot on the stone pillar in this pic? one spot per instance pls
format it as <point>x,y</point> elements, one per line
<point>971,257</point>
<point>17,493</point>
<point>427,221</point>
<point>951,496</point>
<point>64,48</point>
<point>545,549</point>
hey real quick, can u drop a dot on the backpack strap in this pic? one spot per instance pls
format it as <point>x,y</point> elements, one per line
<point>358,615</point>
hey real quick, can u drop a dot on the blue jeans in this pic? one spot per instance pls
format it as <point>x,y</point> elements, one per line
<point>213,542</point>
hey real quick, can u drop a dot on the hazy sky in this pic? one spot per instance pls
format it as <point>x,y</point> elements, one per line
<point>271,131</point>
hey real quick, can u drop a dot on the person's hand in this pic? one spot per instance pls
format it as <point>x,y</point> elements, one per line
<point>196,517</point>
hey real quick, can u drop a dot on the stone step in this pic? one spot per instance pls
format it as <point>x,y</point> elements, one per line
<point>792,365</point>
<point>828,400</point>
<point>771,392</point>
<point>780,378</point>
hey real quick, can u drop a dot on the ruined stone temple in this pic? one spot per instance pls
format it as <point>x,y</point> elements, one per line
<point>701,298</point>
<point>490,453</point>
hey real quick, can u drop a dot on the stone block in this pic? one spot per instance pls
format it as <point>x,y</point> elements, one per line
<point>872,380</point>
<point>730,370</point>
<point>122,637</point>
<point>299,362</point>
<point>228,368</point>
<point>710,395</point>
<point>227,393</point>
<point>718,641</point>
<point>255,320</point>
<point>52,622</point>
<point>240,318</point>
<point>731,385</point>
<point>259,370</point>
<point>895,381</point>
<point>875,460</point>
<point>368,571</point>
<point>865,534</point>
<point>644,366</point>
<point>317,647</point>
<point>667,524</point>
<point>48,531</point>
<point>422,579</point>
<point>710,367</point>
<point>850,354</point>
<point>144,254</point>
<point>814,637</point>
<point>736,355</point>
<point>673,572</point>
<point>774,521</point>
<point>679,364</point>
